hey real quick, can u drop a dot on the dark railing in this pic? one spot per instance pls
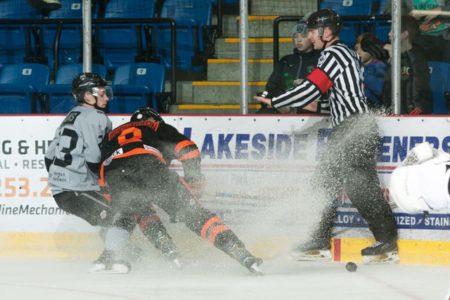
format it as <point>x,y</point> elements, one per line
<point>278,20</point>
<point>62,22</point>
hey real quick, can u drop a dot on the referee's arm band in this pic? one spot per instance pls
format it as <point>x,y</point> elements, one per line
<point>320,79</point>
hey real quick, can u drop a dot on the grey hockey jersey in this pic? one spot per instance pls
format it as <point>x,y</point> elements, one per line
<point>76,145</point>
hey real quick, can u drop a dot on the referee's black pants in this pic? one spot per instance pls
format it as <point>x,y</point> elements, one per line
<point>349,165</point>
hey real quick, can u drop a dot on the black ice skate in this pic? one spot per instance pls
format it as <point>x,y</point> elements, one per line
<point>245,258</point>
<point>252,264</point>
<point>168,249</point>
<point>107,264</point>
<point>381,252</point>
<point>314,250</point>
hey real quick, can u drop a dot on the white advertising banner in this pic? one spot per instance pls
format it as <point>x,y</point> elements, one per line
<point>249,162</point>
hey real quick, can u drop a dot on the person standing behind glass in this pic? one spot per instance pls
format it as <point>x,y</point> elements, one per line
<point>416,95</point>
<point>291,69</point>
<point>373,57</point>
<point>434,26</point>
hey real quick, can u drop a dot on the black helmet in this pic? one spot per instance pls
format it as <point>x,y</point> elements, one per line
<point>325,18</point>
<point>84,83</point>
<point>145,113</point>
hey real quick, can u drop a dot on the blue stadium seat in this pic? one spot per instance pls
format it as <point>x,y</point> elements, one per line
<point>349,32</point>
<point>18,10</point>
<point>349,7</point>
<point>16,40</point>
<point>119,42</point>
<point>137,85</point>
<point>439,85</point>
<point>382,29</point>
<point>70,43</point>
<point>193,20</point>
<point>130,9</point>
<point>379,7</point>
<point>70,49</point>
<point>70,9</point>
<point>58,95</point>
<point>21,86</point>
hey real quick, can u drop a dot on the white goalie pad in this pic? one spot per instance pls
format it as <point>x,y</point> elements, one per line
<point>422,187</point>
<point>425,153</point>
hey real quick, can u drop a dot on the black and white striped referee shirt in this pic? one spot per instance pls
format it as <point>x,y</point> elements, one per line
<point>339,71</point>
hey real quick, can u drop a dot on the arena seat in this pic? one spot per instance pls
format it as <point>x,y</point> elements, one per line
<point>137,85</point>
<point>439,85</point>
<point>349,7</point>
<point>18,10</point>
<point>70,42</point>
<point>21,86</point>
<point>382,29</point>
<point>130,9</point>
<point>121,43</point>
<point>58,96</point>
<point>70,9</point>
<point>16,42</point>
<point>349,32</point>
<point>193,23</point>
<point>379,7</point>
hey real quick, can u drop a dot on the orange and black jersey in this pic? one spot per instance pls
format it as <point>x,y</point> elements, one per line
<point>154,138</point>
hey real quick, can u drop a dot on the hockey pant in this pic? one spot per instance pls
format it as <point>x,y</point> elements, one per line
<point>96,208</point>
<point>135,182</point>
<point>93,207</point>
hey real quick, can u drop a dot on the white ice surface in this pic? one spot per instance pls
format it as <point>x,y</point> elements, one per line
<point>205,279</point>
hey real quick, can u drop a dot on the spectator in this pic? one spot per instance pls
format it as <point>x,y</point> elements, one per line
<point>415,90</point>
<point>434,27</point>
<point>348,163</point>
<point>373,57</point>
<point>291,69</point>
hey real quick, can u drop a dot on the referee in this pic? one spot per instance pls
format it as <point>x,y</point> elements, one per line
<point>348,164</point>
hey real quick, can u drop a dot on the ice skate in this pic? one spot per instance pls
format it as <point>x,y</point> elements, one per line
<point>168,249</point>
<point>314,250</point>
<point>245,258</point>
<point>381,253</point>
<point>107,264</point>
<point>252,264</point>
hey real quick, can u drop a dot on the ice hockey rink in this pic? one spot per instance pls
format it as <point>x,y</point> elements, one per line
<point>269,228</point>
<point>284,279</point>
<point>209,274</point>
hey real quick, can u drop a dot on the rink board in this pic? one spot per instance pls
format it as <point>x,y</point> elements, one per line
<point>254,165</point>
<point>89,245</point>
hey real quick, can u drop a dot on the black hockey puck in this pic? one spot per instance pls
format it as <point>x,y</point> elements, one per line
<point>351,266</point>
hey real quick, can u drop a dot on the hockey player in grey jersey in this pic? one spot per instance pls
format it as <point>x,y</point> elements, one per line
<point>73,161</point>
